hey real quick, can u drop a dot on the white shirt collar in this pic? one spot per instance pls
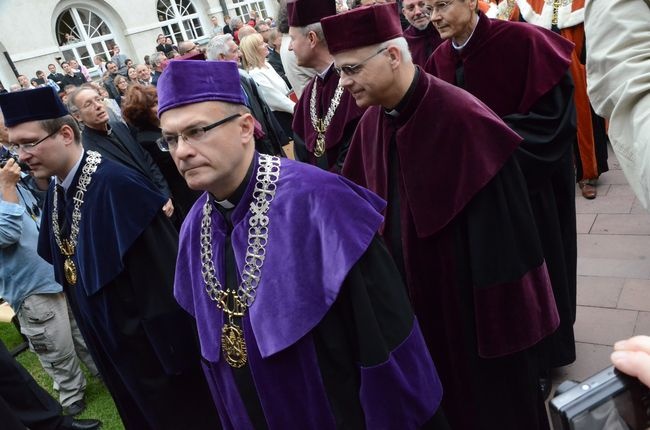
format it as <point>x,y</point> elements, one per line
<point>68,179</point>
<point>459,47</point>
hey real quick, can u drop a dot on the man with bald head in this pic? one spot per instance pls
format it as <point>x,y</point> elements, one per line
<point>458,222</point>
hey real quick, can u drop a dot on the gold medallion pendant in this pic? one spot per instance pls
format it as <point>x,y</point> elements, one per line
<point>70,271</point>
<point>233,345</point>
<point>319,149</point>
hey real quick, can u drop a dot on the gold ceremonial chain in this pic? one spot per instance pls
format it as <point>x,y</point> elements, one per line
<point>68,246</point>
<point>320,124</point>
<point>556,6</point>
<point>505,12</point>
<point>235,303</point>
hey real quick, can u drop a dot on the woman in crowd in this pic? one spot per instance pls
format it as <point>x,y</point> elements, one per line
<point>139,108</point>
<point>132,75</point>
<point>271,85</point>
<point>121,85</point>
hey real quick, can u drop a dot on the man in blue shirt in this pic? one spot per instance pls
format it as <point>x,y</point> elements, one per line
<point>27,284</point>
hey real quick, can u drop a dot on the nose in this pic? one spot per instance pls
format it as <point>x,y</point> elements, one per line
<point>183,149</point>
<point>345,81</point>
<point>291,46</point>
<point>23,156</point>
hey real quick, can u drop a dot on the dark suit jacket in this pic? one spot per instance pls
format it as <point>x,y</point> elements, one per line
<point>275,137</point>
<point>130,154</point>
<point>276,62</point>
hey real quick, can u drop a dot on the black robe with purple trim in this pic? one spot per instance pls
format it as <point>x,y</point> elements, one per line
<point>145,346</point>
<point>459,222</point>
<point>522,73</point>
<point>332,341</point>
<point>340,130</point>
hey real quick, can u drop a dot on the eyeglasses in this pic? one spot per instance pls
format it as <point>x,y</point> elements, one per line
<point>441,6</point>
<point>28,147</point>
<point>353,69</point>
<point>169,142</point>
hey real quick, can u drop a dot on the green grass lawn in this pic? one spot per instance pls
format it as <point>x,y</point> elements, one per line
<point>99,401</point>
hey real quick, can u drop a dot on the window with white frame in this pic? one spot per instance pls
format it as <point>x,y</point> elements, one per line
<point>179,20</point>
<point>82,34</point>
<point>243,8</point>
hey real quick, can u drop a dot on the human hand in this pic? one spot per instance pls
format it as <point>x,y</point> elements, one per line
<point>632,356</point>
<point>9,174</point>
<point>168,209</point>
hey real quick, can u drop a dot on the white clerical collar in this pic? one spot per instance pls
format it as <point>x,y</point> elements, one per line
<point>67,182</point>
<point>226,204</point>
<point>459,47</point>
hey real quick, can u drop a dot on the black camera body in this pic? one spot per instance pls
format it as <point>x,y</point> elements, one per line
<point>609,400</point>
<point>9,156</point>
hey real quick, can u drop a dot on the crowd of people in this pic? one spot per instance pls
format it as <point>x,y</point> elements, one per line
<point>413,267</point>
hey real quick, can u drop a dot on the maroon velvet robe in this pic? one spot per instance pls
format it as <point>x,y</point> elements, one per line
<point>422,43</point>
<point>471,255</point>
<point>340,130</point>
<point>521,72</point>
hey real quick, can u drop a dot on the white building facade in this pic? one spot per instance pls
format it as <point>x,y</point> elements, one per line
<point>36,33</point>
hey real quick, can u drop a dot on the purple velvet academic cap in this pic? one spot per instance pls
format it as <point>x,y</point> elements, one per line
<point>360,27</point>
<point>190,81</point>
<point>301,13</point>
<point>31,105</point>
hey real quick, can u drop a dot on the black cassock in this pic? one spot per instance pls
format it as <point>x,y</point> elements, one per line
<point>144,344</point>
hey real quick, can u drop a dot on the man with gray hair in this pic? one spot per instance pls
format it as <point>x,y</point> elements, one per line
<point>326,115</point>
<point>421,35</point>
<point>235,24</point>
<point>458,222</point>
<point>157,60</point>
<point>270,137</point>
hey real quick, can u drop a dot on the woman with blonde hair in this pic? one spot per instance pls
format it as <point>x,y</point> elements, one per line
<point>272,87</point>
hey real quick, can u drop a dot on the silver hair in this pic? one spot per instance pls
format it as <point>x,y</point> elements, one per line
<point>402,45</point>
<point>217,46</point>
<point>317,28</point>
<point>235,22</point>
<point>156,59</point>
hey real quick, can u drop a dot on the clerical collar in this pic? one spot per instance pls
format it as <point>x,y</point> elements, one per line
<point>236,196</point>
<point>400,106</point>
<point>67,182</point>
<point>324,73</point>
<point>459,47</point>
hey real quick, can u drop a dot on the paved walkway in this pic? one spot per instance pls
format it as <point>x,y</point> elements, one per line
<point>613,272</point>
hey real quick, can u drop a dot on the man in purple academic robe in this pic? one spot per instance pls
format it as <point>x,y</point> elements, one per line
<point>458,222</point>
<point>326,116</point>
<point>421,35</point>
<point>522,73</point>
<point>302,317</point>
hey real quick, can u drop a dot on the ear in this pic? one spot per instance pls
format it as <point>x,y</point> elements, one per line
<point>247,125</point>
<point>395,56</point>
<point>313,39</point>
<point>67,134</point>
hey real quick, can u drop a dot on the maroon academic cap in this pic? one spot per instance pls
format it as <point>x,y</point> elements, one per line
<point>360,27</point>
<point>301,13</point>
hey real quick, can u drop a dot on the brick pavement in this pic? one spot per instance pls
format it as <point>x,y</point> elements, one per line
<point>613,273</point>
